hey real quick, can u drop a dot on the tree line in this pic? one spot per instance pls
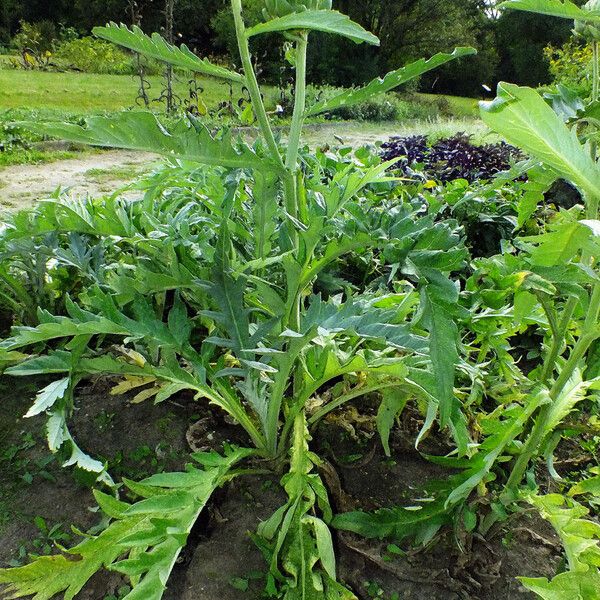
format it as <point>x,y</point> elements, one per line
<point>510,44</point>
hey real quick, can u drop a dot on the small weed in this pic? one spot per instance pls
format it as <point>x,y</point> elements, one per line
<point>121,593</point>
<point>48,538</point>
<point>393,552</point>
<point>164,423</point>
<point>16,465</point>
<point>104,420</point>
<point>23,156</point>
<point>374,590</point>
<point>142,461</point>
<point>243,583</point>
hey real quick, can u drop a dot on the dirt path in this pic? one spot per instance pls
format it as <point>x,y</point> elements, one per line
<point>94,174</point>
<point>107,171</point>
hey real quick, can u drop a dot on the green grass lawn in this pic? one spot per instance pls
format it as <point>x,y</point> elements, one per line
<point>41,95</point>
<point>81,93</point>
<point>458,106</point>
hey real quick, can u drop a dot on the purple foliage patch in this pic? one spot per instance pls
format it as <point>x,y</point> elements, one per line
<point>451,158</point>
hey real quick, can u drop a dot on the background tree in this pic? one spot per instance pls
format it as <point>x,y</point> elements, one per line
<point>510,44</point>
<point>520,39</point>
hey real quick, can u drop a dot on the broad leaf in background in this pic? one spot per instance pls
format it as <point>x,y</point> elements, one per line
<point>439,500</point>
<point>388,82</point>
<point>539,181</point>
<point>138,130</point>
<point>588,486</point>
<point>560,244</point>
<point>157,47</point>
<point>522,116</point>
<point>327,21</point>
<point>440,298</point>
<point>280,8</point>
<point>566,586</point>
<point>581,540</point>
<point>393,402</point>
<point>7,359</point>
<point>143,540</point>
<point>554,8</point>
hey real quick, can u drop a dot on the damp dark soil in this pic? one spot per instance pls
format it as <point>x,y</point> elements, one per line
<point>221,561</point>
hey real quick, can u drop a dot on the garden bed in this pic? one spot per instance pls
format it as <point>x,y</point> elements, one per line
<point>221,560</point>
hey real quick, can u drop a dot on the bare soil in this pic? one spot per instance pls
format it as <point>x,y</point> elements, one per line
<point>142,439</point>
<point>23,185</point>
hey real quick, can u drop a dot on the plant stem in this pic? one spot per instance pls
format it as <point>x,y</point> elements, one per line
<point>558,337</point>
<point>578,352</point>
<point>251,81</point>
<point>299,103</point>
<point>590,332</point>
<point>282,379</point>
<point>540,429</point>
<point>291,162</point>
<point>596,72</point>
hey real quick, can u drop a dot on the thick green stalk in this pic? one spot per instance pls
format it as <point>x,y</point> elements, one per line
<point>279,389</point>
<point>540,429</point>
<point>557,337</point>
<point>593,313</point>
<point>299,103</point>
<point>291,162</point>
<point>596,72</point>
<point>589,333</point>
<point>252,82</point>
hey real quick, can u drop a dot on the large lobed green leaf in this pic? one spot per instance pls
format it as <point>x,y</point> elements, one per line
<point>139,130</point>
<point>560,244</point>
<point>390,81</point>
<point>579,534</point>
<point>327,21</point>
<point>362,318</point>
<point>428,514</point>
<point>554,8</point>
<point>299,544</point>
<point>566,586</point>
<point>522,116</point>
<point>157,47</point>
<point>8,358</point>
<point>581,540</point>
<point>143,540</point>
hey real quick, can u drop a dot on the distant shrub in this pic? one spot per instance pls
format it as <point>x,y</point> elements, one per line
<point>91,55</point>
<point>38,37</point>
<point>571,65</point>
<point>410,108</point>
<point>379,108</point>
<point>67,34</point>
<point>385,107</point>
